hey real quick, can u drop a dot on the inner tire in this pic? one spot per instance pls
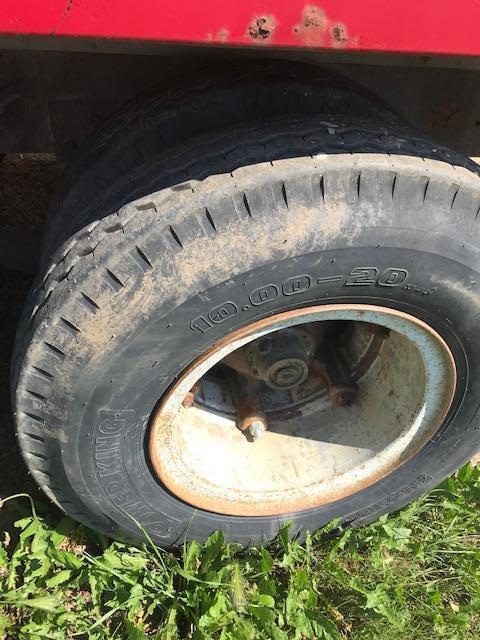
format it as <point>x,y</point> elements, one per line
<point>355,214</point>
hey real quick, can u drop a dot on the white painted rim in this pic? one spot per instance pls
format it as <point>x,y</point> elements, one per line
<point>204,460</point>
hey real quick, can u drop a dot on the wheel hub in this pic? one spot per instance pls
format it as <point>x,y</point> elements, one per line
<point>286,373</point>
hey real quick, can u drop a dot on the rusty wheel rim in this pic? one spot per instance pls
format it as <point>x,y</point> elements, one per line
<point>317,452</point>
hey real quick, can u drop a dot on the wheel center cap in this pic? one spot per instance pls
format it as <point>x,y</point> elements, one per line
<point>287,373</point>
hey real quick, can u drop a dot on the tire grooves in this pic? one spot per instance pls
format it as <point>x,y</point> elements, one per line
<point>114,281</point>
<point>172,239</point>
<point>247,206</point>
<point>33,436</point>
<point>55,351</point>
<point>36,395</point>
<point>141,259</point>
<point>44,374</point>
<point>71,328</point>
<point>88,303</point>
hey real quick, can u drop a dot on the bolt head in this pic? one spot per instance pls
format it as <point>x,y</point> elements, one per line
<point>256,429</point>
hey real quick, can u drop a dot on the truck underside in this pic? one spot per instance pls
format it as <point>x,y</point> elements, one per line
<point>52,101</point>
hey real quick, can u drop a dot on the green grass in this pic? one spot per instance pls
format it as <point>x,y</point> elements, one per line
<point>413,575</point>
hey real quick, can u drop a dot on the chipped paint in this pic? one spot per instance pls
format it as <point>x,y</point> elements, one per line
<point>262,28</point>
<point>315,29</point>
<point>339,35</point>
<point>220,36</point>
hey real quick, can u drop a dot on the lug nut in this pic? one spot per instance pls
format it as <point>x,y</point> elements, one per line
<point>256,429</point>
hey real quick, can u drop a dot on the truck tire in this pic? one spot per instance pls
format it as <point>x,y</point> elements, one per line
<point>314,281</point>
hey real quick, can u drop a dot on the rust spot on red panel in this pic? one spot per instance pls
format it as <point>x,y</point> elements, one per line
<point>315,29</point>
<point>312,26</point>
<point>220,36</point>
<point>339,35</point>
<point>261,28</point>
<point>314,18</point>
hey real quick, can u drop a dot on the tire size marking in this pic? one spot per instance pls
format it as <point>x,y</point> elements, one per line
<point>223,312</point>
<point>361,276</point>
<point>358,277</point>
<point>298,284</point>
<point>368,276</point>
<point>264,294</point>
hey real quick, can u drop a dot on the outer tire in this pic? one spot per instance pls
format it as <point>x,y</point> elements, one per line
<point>108,326</point>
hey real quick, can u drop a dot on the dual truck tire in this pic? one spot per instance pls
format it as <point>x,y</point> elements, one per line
<point>197,216</point>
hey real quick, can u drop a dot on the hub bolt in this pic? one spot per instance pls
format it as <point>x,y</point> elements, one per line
<point>256,429</point>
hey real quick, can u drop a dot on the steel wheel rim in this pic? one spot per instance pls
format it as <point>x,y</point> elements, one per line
<point>207,462</point>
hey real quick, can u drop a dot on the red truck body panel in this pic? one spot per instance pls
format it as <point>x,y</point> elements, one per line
<point>411,26</point>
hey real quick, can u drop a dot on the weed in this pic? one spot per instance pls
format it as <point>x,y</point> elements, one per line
<point>412,575</point>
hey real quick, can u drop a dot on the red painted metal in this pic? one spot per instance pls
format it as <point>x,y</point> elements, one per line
<point>411,26</point>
